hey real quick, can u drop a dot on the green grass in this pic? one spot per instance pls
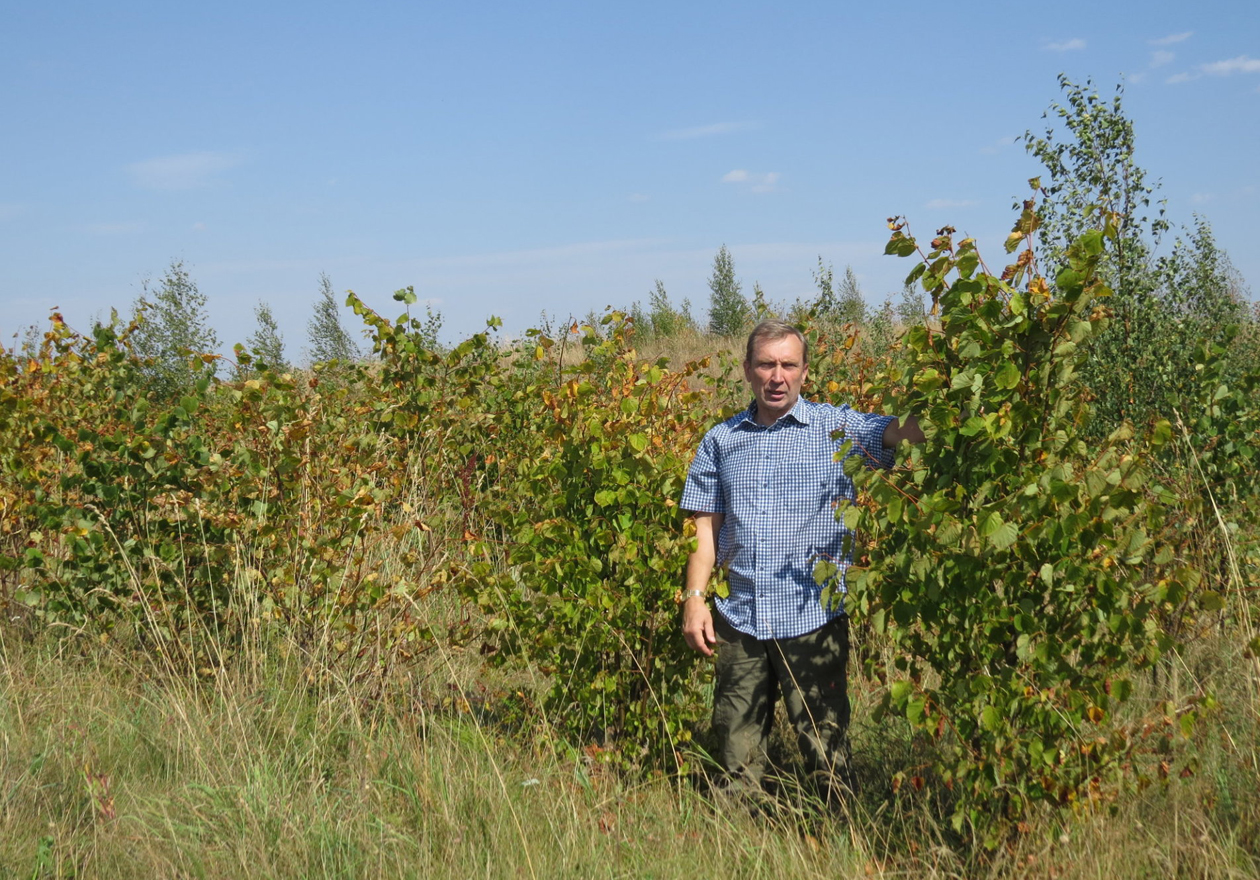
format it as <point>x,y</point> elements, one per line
<point>112,766</point>
<point>111,772</point>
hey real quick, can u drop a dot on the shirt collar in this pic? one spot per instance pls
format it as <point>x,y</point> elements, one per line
<point>799,413</point>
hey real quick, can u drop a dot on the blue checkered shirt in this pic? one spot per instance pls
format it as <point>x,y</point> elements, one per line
<point>778,487</point>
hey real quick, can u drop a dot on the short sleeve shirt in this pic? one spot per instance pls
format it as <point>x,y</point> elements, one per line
<point>778,487</point>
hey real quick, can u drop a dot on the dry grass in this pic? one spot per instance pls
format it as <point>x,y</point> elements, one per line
<point>281,767</point>
<point>111,772</point>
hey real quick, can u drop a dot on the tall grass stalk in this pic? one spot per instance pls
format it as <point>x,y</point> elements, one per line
<point>110,772</point>
<point>1235,576</point>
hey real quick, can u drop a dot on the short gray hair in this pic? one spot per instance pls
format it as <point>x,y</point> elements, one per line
<point>772,330</point>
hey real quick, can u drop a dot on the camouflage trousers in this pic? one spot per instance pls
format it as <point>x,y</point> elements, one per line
<point>809,672</point>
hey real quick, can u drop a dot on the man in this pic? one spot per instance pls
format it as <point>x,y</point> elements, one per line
<point>763,488</point>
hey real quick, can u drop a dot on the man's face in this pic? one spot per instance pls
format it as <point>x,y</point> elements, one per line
<point>776,372</point>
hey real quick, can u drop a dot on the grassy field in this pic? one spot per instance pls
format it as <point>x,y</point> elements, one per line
<point>278,766</point>
<point>354,739</point>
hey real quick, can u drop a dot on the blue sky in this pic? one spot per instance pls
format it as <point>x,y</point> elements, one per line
<point>510,158</point>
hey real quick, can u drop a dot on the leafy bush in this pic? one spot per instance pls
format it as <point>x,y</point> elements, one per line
<point>262,499</point>
<point>593,546</point>
<point>1017,566</point>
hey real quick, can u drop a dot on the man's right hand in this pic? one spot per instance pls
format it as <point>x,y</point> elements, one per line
<point>697,618</point>
<point>698,626</point>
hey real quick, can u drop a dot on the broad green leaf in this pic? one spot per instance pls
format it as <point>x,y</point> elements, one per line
<point>990,718</point>
<point>879,621</point>
<point>1007,376</point>
<point>1092,242</point>
<point>928,380</point>
<point>1004,536</point>
<point>824,571</point>
<point>900,244</point>
<point>894,509</point>
<point>967,263</point>
<point>852,517</point>
<point>1211,600</point>
<point>948,533</point>
<point>989,523</point>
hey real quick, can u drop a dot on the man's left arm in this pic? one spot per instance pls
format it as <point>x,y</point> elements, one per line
<point>898,430</point>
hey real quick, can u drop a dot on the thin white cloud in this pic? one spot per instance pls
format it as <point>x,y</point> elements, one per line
<point>768,182</point>
<point>1001,144</point>
<point>637,198</point>
<point>40,303</point>
<point>184,171</point>
<point>758,182</point>
<point>1241,64</point>
<point>1072,45</point>
<point>1171,38</point>
<point>535,256</point>
<point>1228,67</point>
<point>490,264</point>
<point>1201,198</point>
<point>805,252</point>
<point>1162,57</point>
<point>937,204</point>
<point>702,131</point>
<point>127,227</point>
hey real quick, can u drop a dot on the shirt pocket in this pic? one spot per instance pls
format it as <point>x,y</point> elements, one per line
<point>807,486</point>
